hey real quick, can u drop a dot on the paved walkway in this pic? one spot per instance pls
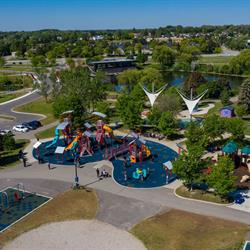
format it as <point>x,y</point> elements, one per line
<point>159,197</point>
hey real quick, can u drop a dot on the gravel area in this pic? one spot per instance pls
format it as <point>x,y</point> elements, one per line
<point>76,235</point>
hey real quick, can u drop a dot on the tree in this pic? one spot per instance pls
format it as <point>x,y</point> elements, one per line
<point>129,109</point>
<point>38,60</point>
<point>240,64</point>
<point>225,97</point>
<point>151,76</point>
<point>164,56</point>
<point>8,142</point>
<point>195,135</point>
<point>221,177</point>
<point>169,102</point>
<point>244,95</point>
<point>189,164</point>
<point>2,61</point>
<point>70,62</point>
<point>79,92</point>
<point>213,127</point>
<point>194,80</point>
<point>44,87</point>
<point>141,58</point>
<point>241,110</point>
<point>167,123</point>
<point>236,127</point>
<point>129,78</point>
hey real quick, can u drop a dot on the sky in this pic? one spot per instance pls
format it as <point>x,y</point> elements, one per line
<point>17,15</point>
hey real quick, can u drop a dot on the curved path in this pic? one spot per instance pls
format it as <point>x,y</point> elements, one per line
<point>158,197</point>
<point>7,109</point>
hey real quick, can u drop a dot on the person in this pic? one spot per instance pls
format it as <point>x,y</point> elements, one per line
<point>20,154</point>
<point>125,176</point>
<point>97,172</point>
<point>105,173</point>
<point>24,161</point>
<point>49,167</point>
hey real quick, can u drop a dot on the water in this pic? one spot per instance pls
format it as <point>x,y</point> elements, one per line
<point>178,78</point>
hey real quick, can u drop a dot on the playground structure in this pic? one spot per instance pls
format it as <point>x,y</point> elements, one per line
<point>104,132</point>
<point>80,144</point>
<point>18,195</point>
<point>16,203</point>
<point>138,150</point>
<point>140,174</point>
<point>129,152</point>
<point>66,131</point>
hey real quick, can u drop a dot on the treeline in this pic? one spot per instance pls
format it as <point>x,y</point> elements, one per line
<point>43,41</point>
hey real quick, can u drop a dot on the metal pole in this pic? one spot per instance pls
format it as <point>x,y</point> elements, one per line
<point>76,175</point>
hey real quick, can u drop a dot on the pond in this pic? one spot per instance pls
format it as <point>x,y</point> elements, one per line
<point>178,78</point>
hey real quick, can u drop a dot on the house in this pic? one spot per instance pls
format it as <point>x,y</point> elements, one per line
<point>227,111</point>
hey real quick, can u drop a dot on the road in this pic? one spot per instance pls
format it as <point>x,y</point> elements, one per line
<point>7,109</point>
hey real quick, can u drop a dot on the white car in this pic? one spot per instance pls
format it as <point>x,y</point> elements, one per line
<point>20,128</point>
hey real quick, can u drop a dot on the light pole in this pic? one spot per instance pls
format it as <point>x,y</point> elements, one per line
<point>76,175</point>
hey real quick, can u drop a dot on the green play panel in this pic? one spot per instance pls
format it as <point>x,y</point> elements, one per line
<point>16,204</point>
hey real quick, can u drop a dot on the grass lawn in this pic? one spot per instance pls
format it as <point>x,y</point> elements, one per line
<point>215,59</point>
<point>199,195</point>
<point>215,109</point>
<point>10,158</point>
<point>71,205</point>
<point>7,97</point>
<point>182,230</point>
<point>41,107</point>
<point>48,133</point>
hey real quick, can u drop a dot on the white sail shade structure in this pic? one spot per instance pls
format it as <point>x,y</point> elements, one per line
<point>190,102</point>
<point>152,96</point>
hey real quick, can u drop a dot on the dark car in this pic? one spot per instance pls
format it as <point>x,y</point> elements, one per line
<point>29,125</point>
<point>239,199</point>
<point>37,123</point>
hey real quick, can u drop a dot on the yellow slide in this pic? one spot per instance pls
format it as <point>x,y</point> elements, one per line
<point>72,143</point>
<point>110,131</point>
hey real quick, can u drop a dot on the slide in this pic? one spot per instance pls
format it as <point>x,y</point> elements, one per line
<point>72,144</point>
<point>55,140</point>
<point>110,131</point>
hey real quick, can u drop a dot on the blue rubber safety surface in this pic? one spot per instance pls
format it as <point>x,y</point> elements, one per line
<point>156,173</point>
<point>12,210</point>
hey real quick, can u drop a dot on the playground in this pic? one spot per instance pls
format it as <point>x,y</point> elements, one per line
<point>136,162</point>
<point>17,203</point>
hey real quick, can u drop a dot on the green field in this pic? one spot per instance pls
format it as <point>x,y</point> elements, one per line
<point>48,133</point>
<point>8,97</point>
<point>41,107</point>
<point>199,195</point>
<point>215,59</point>
<point>182,230</point>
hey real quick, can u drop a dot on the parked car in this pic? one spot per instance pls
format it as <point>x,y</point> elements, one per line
<point>37,123</point>
<point>239,199</point>
<point>29,125</point>
<point>20,128</point>
<point>5,132</point>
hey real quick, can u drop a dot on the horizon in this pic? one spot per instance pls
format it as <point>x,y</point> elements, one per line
<point>28,15</point>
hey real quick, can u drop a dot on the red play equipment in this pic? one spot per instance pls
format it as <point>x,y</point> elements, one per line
<point>138,152</point>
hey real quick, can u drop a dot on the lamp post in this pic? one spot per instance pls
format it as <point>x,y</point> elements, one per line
<point>76,175</point>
